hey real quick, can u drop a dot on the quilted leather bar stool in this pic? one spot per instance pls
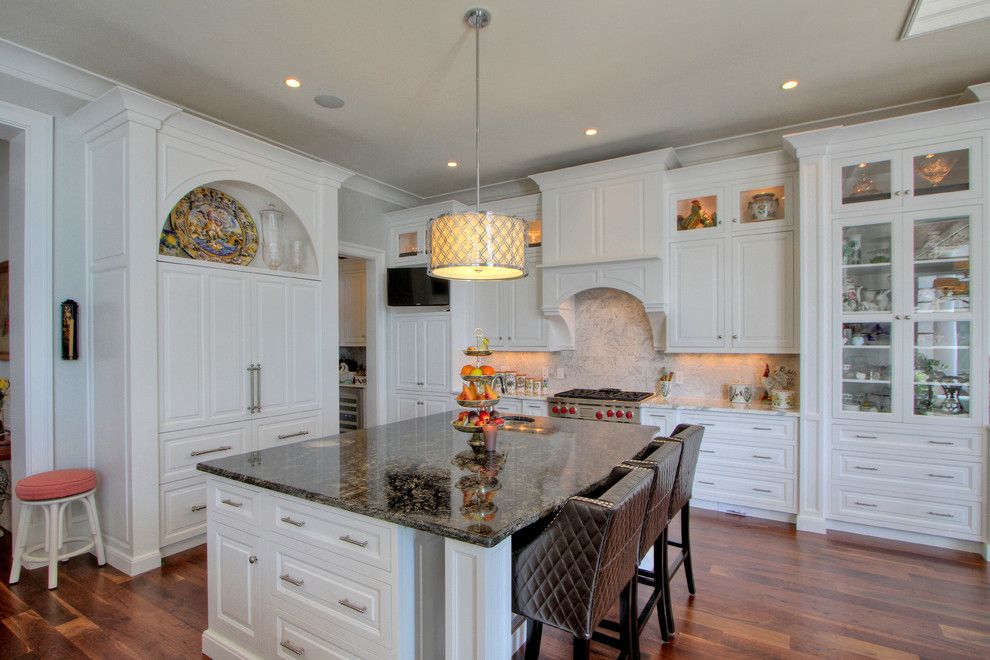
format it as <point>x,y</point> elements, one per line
<point>571,573</point>
<point>52,492</point>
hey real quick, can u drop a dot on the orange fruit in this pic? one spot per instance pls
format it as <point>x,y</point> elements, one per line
<point>488,371</point>
<point>466,370</point>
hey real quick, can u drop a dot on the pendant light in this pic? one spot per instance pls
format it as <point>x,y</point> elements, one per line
<point>479,245</point>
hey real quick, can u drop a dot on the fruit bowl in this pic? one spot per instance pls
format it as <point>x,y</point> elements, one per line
<point>479,379</point>
<point>477,403</point>
<point>466,428</point>
<point>478,352</point>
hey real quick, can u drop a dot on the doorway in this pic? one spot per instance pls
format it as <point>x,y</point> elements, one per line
<point>361,307</point>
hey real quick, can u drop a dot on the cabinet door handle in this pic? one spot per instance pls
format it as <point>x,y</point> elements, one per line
<point>257,377</point>
<point>763,458</point>
<point>897,317</point>
<point>254,393</point>
<point>198,507</point>
<point>720,336</point>
<point>867,468</point>
<point>705,424</point>
<point>865,504</point>
<point>347,539</point>
<point>898,193</point>
<point>293,435</point>
<point>940,476</point>
<point>706,451</point>
<point>937,442</point>
<point>941,515</point>
<point>707,483</point>
<point>292,648</point>
<point>360,609</point>
<point>289,521</point>
<point>253,559</point>
<point>762,428</point>
<point>233,503</point>
<point>285,577</point>
<point>201,452</point>
<point>735,336</point>
<point>866,437</point>
<point>762,490</point>
<point>907,317</point>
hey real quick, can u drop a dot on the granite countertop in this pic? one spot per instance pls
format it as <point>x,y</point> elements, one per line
<point>720,405</point>
<point>421,473</point>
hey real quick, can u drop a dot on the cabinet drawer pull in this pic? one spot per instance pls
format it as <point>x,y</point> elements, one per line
<point>866,437</point>
<point>198,507</point>
<point>865,467</point>
<point>347,539</point>
<point>706,451</point>
<point>940,476</point>
<point>289,521</point>
<point>763,458</point>
<point>707,483</point>
<point>941,515</point>
<point>286,436</point>
<point>360,609</point>
<point>762,428</point>
<point>291,580</point>
<point>210,451</point>
<point>938,442</point>
<point>865,504</point>
<point>292,648</point>
<point>233,503</point>
<point>762,490</point>
<point>704,424</point>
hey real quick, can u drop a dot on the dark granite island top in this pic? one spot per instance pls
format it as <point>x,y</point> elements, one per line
<point>421,473</point>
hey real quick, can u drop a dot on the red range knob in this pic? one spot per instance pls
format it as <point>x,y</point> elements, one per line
<point>555,409</point>
<point>599,414</point>
<point>611,413</point>
<point>572,411</point>
<point>629,414</point>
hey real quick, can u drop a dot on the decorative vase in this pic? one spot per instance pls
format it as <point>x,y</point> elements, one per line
<point>764,206</point>
<point>272,245</point>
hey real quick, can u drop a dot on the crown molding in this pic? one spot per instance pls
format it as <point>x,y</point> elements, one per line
<point>374,188</point>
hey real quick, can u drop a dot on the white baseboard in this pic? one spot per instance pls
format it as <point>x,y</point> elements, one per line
<point>219,648</point>
<point>742,510</point>
<point>908,537</point>
<point>179,546</point>
<point>815,524</point>
<point>131,565</point>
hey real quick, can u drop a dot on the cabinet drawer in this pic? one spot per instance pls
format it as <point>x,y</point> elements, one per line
<point>768,427</point>
<point>768,493</point>
<point>538,408</point>
<point>233,502</point>
<point>662,420</point>
<point>183,510</point>
<point>959,519</point>
<point>906,475</point>
<point>295,638</point>
<point>510,406</point>
<point>935,444</point>
<point>772,457</point>
<point>349,602</point>
<point>181,451</point>
<point>349,535</point>
<point>281,431</point>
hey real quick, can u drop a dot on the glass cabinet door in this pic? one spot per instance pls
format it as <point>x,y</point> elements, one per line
<point>867,182</point>
<point>696,213</point>
<point>942,368</point>
<point>867,262</point>
<point>941,173</point>
<point>868,370</point>
<point>941,269</point>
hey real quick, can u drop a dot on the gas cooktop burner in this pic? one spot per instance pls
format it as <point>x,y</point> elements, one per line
<point>604,394</point>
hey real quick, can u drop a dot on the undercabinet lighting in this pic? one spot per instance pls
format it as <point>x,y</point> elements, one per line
<point>591,131</point>
<point>452,163</point>
<point>293,83</point>
<point>790,84</point>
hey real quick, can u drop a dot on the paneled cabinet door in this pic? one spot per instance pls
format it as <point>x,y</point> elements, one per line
<point>527,324</point>
<point>436,405</point>
<point>698,298</point>
<point>406,406</point>
<point>235,582</point>
<point>488,313</point>
<point>287,345</point>
<point>203,347</point>
<point>763,314</point>
<point>351,305</point>
<point>406,349</point>
<point>435,352</point>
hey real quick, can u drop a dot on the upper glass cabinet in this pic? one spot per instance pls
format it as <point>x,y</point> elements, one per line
<point>941,271</point>
<point>697,213</point>
<point>927,175</point>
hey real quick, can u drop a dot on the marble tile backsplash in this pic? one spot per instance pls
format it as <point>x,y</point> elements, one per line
<point>613,347</point>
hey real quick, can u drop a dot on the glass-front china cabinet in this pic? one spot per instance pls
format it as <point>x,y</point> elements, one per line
<point>906,281</point>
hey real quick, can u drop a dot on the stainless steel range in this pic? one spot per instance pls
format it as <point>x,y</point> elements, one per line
<point>604,405</point>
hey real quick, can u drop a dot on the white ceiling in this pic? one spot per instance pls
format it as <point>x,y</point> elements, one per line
<point>647,73</point>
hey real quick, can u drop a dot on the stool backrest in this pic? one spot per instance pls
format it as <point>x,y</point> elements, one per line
<point>573,572</point>
<point>662,461</point>
<point>689,435</point>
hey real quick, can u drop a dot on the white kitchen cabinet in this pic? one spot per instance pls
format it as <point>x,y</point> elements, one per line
<point>351,303</point>
<point>235,583</point>
<point>697,296</point>
<point>408,232</point>
<point>435,351</point>
<point>509,311</point>
<point>510,406</point>
<point>763,293</point>
<point>407,405</point>
<point>660,418</point>
<point>538,408</point>
<point>421,352</point>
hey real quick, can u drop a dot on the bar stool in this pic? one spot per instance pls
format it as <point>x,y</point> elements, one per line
<point>571,573</point>
<point>52,492</point>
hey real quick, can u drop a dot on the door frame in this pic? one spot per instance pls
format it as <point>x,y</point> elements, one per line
<point>31,136</point>
<point>376,411</point>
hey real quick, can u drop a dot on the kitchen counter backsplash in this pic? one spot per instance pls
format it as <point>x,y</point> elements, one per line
<point>614,348</point>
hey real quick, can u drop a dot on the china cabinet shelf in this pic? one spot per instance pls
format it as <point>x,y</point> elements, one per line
<point>879,265</point>
<point>942,348</point>
<point>883,346</point>
<point>866,381</point>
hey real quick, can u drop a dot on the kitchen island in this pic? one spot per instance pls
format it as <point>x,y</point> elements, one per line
<point>388,542</point>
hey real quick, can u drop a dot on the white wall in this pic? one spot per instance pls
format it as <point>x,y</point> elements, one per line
<point>362,219</point>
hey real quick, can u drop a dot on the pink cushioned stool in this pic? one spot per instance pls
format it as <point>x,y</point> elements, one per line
<point>52,492</point>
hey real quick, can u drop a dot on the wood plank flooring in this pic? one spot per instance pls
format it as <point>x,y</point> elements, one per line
<point>764,591</point>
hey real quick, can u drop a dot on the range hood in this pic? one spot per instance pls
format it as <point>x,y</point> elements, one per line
<point>603,228</point>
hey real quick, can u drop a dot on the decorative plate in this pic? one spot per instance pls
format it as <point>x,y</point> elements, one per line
<point>213,226</point>
<point>168,244</point>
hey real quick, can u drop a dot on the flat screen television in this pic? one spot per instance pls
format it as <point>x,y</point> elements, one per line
<point>413,287</point>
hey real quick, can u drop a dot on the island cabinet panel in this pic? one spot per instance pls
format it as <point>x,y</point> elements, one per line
<point>235,586</point>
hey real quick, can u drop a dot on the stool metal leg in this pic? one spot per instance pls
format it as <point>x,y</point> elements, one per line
<point>20,542</point>
<point>533,639</point>
<point>54,532</point>
<point>582,648</point>
<point>686,543</point>
<point>94,528</point>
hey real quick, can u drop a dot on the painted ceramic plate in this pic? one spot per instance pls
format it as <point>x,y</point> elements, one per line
<point>168,244</point>
<point>213,226</point>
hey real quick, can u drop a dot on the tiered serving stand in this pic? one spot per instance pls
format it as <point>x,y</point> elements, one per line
<point>477,441</point>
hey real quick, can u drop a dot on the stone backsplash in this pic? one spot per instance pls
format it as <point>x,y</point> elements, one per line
<point>613,347</point>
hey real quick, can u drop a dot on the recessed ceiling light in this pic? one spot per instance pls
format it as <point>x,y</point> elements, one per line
<point>790,84</point>
<point>591,131</point>
<point>329,101</point>
<point>293,83</point>
<point>451,163</point>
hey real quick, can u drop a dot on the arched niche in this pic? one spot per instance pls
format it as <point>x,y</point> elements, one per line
<point>254,198</point>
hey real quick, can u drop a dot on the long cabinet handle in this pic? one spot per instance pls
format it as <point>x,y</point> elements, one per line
<point>201,452</point>
<point>707,483</point>
<point>233,503</point>
<point>940,476</point>
<point>762,490</point>
<point>360,609</point>
<point>869,504</point>
<point>347,539</point>
<point>941,515</point>
<point>289,521</point>
<point>292,648</point>
<point>198,507</point>
<point>293,435</point>
<point>868,469</point>
<point>762,428</point>
<point>253,406</point>
<point>706,451</point>
<point>866,437</point>
<point>257,378</point>
<point>938,442</point>
<point>285,577</point>
<point>763,458</point>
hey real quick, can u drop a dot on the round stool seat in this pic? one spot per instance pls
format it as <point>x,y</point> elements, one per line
<point>55,484</point>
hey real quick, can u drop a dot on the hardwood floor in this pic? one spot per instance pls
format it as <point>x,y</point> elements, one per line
<point>764,591</point>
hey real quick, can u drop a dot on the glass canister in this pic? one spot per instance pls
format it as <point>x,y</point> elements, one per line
<point>520,383</point>
<point>272,244</point>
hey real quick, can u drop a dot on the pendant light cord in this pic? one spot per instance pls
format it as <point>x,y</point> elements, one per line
<point>477,116</point>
